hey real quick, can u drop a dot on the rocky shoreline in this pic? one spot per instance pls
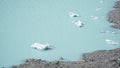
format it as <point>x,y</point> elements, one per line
<point>114,16</point>
<point>97,59</point>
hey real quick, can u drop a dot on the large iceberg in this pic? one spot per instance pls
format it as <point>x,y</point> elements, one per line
<point>41,46</point>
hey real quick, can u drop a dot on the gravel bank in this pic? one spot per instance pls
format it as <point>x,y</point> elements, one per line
<point>97,59</point>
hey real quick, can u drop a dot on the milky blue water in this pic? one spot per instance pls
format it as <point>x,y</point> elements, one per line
<point>24,22</point>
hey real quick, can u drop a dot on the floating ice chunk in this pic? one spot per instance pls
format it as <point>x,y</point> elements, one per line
<point>78,23</point>
<point>41,46</point>
<point>94,17</point>
<point>72,14</point>
<point>111,42</point>
<point>104,31</point>
<point>97,9</point>
<point>114,32</point>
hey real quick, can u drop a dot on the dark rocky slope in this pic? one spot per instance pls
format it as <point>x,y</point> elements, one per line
<point>97,59</point>
<point>114,16</point>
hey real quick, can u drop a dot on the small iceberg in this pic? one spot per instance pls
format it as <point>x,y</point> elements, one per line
<point>104,31</point>
<point>78,23</point>
<point>94,17</point>
<point>114,32</point>
<point>111,42</point>
<point>97,9</point>
<point>72,14</point>
<point>41,46</point>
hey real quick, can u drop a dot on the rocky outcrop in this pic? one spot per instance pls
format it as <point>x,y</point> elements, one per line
<point>117,4</point>
<point>102,55</point>
<point>97,59</point>
<point>114,16</point>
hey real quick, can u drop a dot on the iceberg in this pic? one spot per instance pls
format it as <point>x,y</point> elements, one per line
<point>114,32</point>
<point>78,23</point>
<point>72,14</point>
<point>41,46</point>
<point>94,17</point>
<point>111,42</point>
<point>97,9</point>
<point>104,31</point>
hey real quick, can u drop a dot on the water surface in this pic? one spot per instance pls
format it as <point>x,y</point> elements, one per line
<point>24,22</point>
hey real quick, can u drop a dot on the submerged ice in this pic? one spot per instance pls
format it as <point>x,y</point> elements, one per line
<point>112,42</point>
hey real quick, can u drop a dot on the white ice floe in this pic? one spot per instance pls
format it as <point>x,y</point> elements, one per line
<point>104,31</point>
<point>41,46</point>
<point>97,9</point>
<point>111,42</point>
<point>72,14</point>
<point>78,23</point>
<point>94,17</point>
<point>114,32</point>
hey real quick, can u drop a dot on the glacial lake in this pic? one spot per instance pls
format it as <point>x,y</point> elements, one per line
<point>24,22</point>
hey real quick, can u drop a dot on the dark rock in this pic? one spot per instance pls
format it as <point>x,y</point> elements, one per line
<point>116,26</point>
<point>101,55</point>
<point>117,4</point>
<point>14,66</point>
<point>96,59</point>
<point>61,58</point>
<point>114,16</point>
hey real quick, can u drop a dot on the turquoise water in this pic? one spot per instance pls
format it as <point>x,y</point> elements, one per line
<point>24,22</point>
